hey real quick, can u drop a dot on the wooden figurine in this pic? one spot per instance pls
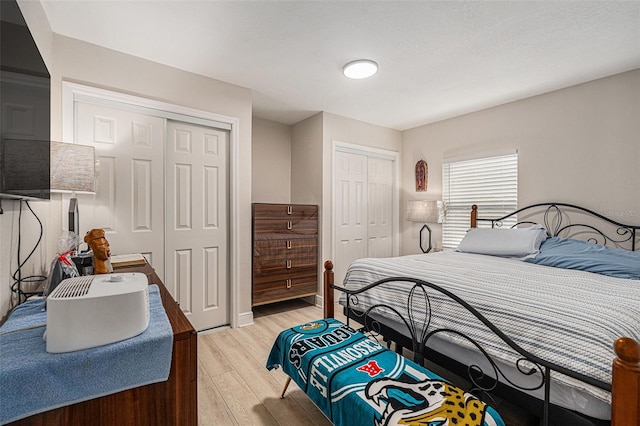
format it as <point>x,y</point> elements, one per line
<point>101,251</point>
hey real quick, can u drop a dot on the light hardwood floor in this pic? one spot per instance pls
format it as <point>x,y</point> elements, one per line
<point>235,388</point>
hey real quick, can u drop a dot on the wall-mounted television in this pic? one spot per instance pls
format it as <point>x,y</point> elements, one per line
<point>25,102</point>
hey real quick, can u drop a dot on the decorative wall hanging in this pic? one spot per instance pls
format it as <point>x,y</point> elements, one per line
<point>422,176</point>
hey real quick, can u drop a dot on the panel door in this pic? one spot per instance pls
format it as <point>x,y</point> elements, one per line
<point>380,207</point>
<point>350,210</point>
<point>129,199</point>
<point>196,229</point>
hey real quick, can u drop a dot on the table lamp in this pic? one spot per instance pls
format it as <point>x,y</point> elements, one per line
<point>424,211</point>
<point>73,170</point>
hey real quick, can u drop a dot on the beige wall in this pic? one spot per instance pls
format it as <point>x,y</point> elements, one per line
<point>39,27</point>
<point>306,161</point>
<point>578,145</point>
<point>270,162</point>
<point>76,61</point>
<point>338,128</point>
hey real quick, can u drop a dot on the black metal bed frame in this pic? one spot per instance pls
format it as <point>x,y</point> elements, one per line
<point>414,332</point>
<point>556,220</point>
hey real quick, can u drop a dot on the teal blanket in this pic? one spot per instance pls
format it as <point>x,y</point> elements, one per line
<point>356,381</point>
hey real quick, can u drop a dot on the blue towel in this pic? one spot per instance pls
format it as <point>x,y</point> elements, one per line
<point>33,381</point>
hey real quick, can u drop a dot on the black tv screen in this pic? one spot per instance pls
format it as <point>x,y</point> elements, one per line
<point>25,168</point>
<point>25,123</point>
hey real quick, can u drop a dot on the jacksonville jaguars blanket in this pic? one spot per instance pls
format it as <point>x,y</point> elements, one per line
<point>356,381</point>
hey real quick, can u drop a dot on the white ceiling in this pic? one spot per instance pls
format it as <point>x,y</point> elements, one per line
<point>438,59</point>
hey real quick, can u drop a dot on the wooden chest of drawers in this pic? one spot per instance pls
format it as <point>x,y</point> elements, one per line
<point>285,252</point>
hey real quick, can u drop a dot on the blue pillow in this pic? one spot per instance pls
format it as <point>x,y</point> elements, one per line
<point>585,256</point>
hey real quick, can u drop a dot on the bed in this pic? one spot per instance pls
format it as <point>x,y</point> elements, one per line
<point>541,336</point>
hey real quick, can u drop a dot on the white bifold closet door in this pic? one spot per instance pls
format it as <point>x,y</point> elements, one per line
<point>162,191</point>
<point>380,207</point>
<point>363,208</point>
<point>196,225</point>
<point>129,199</point>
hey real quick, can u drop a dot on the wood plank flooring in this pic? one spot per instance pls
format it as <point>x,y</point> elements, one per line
<point>235,388</point>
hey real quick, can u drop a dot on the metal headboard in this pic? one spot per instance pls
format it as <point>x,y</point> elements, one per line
<point>571,221</point>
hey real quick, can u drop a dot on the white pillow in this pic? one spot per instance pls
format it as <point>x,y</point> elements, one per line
<point>517,242</point>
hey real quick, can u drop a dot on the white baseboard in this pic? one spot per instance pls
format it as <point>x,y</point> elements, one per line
<point>319,301</point>
<point>245,319</point>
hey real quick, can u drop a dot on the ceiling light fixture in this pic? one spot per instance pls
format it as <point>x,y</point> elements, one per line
<point>362,68</point>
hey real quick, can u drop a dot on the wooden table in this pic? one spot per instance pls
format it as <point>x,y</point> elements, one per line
<point>173,402</point>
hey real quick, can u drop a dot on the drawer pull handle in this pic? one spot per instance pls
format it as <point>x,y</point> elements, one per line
<point>288,283</point>
<point>288,263</point>
<point>289,225</point>
<point>289,209</point>
<point>289,245</point>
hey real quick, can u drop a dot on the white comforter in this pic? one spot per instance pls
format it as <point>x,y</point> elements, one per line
<point>567,317</point>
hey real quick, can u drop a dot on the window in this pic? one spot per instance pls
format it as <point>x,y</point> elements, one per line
<point>491,183</point>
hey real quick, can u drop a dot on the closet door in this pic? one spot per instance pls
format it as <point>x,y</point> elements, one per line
<point>350,210</point>
<point>380,211</point>
<point>197,222</point>
<point>363,209</point>
<point>162,191</point>
<point>129,199</point>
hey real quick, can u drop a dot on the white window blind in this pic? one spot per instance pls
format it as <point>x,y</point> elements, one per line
<point>491,183</point>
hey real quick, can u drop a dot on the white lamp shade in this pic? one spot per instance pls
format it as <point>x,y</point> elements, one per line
<point>72,167</point>
<point>425,211</point>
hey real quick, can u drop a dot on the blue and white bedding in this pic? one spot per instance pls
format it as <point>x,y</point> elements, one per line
<point>567,317</point>
<point>355,381</point>
<point>569,253</point>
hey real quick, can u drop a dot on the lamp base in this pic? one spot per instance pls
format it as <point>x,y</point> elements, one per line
<point>421,230</point>
<point>74,219</point>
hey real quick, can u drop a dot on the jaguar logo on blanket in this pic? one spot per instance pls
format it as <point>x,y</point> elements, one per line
<point>310,326</point>
<point>429,402</point>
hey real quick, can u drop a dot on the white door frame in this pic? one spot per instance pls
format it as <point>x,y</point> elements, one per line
<point>370,152</point>
<point>73,92</point>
